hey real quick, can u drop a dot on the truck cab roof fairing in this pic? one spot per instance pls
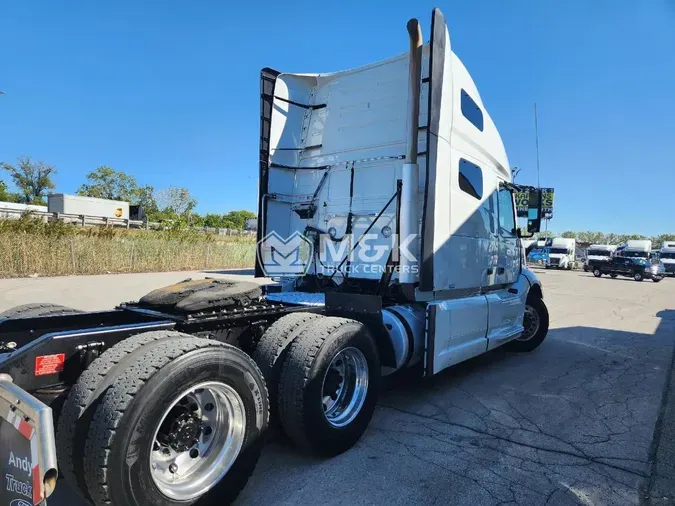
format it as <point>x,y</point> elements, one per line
<point>452,137</point>
<point>337,140</point>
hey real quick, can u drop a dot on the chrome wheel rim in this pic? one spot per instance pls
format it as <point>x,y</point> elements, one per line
<point>531,323</point>
<point>197,440</point>
<point>345,387</point>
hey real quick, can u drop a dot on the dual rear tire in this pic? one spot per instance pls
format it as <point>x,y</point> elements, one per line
<point>164,418</point>
<point>327,380</point>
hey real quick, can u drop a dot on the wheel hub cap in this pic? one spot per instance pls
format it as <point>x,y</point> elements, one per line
<point>181,433</point>
<point>345,387</point>
<point>530,323</point>
<point>197,440</point>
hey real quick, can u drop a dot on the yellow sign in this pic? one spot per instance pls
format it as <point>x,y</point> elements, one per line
<point>118,212</point>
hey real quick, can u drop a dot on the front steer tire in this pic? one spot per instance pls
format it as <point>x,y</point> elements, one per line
<point>120,437</point>
<point>530,343</point>
<point>304,378</point>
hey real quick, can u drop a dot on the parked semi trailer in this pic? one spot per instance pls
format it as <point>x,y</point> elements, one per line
<point>87,206</point>
<point>167,400</point>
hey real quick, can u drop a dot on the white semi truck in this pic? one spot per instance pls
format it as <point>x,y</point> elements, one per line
<point>386,215</point>
<point>599,253</point>
<point>667,256</point>
<point>637,249</point>
<point>562,253</point>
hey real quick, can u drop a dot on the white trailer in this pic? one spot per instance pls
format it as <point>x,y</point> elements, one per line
<point>87,206</point>
<point>14,211</point>
<point>667,256</point>
<point>562,253</point>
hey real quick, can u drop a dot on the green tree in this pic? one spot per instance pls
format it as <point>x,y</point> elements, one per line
<point>176,200</point>
<point>238,218</point>
<point>33,179</point>
<point>660,239</point>
<point>6,195</point>
<point>108,183</point>
<point>569,235</point>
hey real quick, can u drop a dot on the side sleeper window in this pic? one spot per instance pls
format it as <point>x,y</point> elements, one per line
<point>471,111</point>
<point>507,220</point>
<point>470,179</point>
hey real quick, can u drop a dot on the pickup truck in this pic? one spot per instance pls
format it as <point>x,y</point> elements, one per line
<point>633,267</point>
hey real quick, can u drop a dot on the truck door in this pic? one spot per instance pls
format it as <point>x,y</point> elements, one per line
<point>506,299</point>
<point>625,266</point>
<point>508,267</point>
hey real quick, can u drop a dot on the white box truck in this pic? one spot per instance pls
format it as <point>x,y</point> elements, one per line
<point>562,253</point>
<point>87,206</point>
<point>667,256</point>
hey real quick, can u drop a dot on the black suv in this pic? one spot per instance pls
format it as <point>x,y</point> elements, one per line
<point>636,268</point>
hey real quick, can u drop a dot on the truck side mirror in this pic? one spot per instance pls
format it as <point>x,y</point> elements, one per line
<point>534,211</point>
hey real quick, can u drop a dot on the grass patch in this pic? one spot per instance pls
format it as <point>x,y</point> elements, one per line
<point>29,246</point>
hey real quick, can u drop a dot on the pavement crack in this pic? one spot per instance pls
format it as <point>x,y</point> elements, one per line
<point>579,454</point>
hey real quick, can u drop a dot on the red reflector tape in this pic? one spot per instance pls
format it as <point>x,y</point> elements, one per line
<point>37,486</point>
<point>49,364</point>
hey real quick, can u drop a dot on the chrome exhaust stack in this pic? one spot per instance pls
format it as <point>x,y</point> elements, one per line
<point>409,227</point>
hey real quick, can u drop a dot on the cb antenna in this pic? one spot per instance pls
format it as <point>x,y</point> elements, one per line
<point>536,138</point>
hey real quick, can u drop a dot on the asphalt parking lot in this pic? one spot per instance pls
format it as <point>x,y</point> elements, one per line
<point>582,420</point>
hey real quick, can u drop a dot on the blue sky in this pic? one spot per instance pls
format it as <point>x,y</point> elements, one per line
<point>169,92</point>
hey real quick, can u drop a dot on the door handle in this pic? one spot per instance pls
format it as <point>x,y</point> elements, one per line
<point>500,270</point>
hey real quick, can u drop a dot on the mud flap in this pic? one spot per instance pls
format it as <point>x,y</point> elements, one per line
<point>27,448</point>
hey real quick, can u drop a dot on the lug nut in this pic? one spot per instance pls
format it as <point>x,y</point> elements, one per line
<point>173,468</point>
